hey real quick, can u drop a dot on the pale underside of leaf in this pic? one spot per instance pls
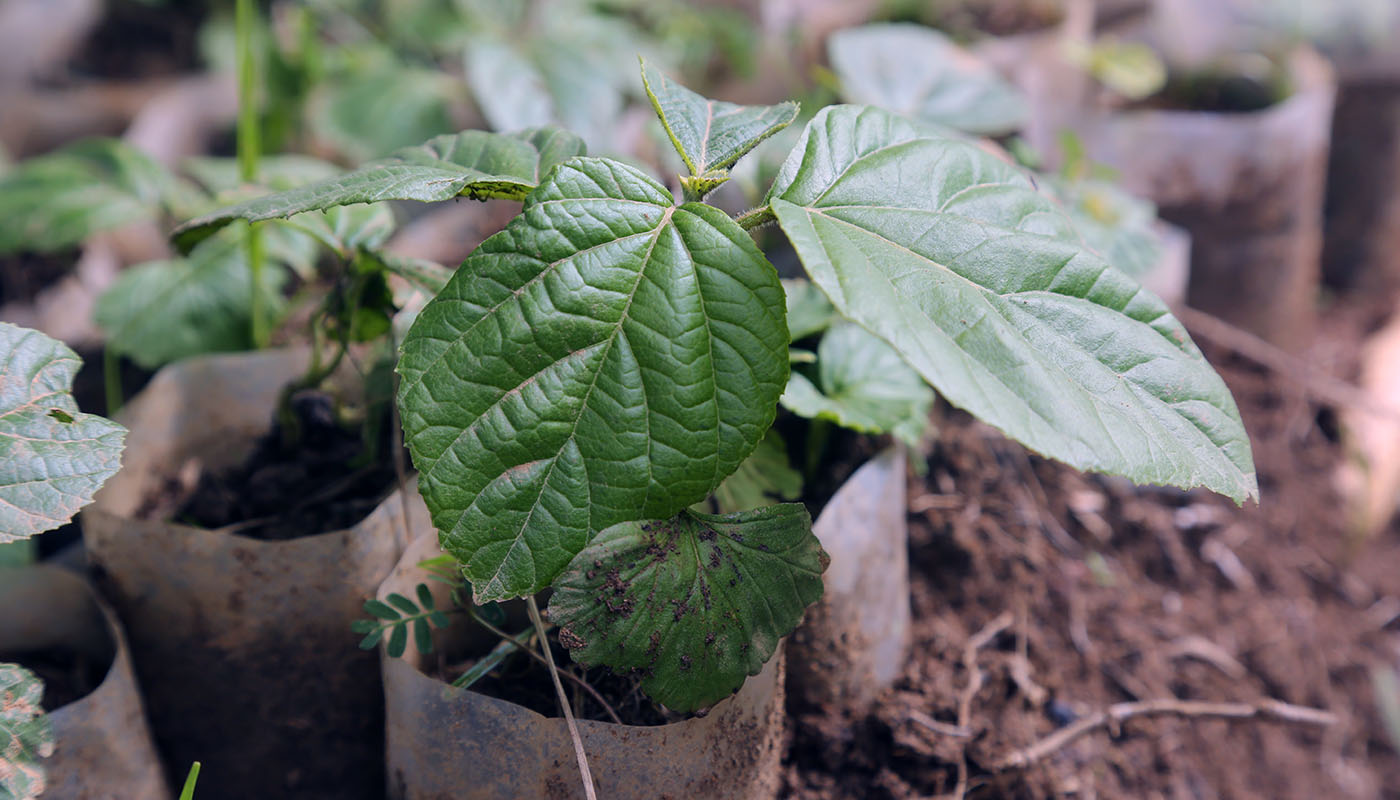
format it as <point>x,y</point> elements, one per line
<point>982,286</point>
<point>53,458</point>
<point>710,134</point>
<point>917,71</point>
<point>608,357</point>
<point>694,604</point>
<point>474,164</point>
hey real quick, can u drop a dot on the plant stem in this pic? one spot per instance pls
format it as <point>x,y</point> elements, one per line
<point>756,217</point>
<point>563,701</point>
<point>587,687</point>
<point>112,379</point>
<point>249,146</point>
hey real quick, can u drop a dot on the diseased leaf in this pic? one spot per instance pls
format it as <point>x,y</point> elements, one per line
<point>474,164</point>
<point>26,734</point>
<point>981,285</point>
<point>693,604</point>
<point>864,385</point>
<point>58,200</point>
<point>808,310</point>
<point>163,311</point>
<point>764,478</point>
<point>710,135</point>
<point>609,356</point>
<point>51,464</point>
<point>919,72</point>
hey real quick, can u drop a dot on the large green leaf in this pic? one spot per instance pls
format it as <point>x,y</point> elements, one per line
<point>710,135</point>
<point>53,458</point>
<point>913,70</point>
<point>58,200</point>
<point>981,284</point>
<point>473,164</point>
<point>382,105</point>
<point>864,385</point>
<point>1112,222</point>
<point>26,734</point>
<point>162,311</point>
<point>693,604</point>
<point>608,357</point>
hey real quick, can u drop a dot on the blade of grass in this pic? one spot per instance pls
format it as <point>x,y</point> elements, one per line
<point>492,660</point>
<point>187,793</point>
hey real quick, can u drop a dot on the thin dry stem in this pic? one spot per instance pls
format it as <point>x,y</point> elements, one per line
<point>585,685</point>
<point>583,769</point>
<point>978,641</point>
<point>1119,713</point>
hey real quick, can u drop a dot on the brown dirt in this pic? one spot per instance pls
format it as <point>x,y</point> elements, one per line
<point>324,481</point>
<point>24,275</point>
<point>1117,593</point>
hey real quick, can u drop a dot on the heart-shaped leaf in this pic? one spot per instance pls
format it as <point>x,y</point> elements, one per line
<point>474,164</point>
<point>693,604</point>
<point>26,734</point>
<point>917,71</point>
<point>608,357</point>
<point>981,284</point>
<point>58,200</point>
<point>864,385</point>
<point>710,135</point>
<point>53,457</point>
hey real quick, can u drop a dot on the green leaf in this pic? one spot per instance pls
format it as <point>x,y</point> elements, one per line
<point>428,275</point>
<point>981,285</point>
<point>692,604</point>
<point>363,626</point>
<point>51,463</point>
<point>58,200</point>
<point>26,735</point>
<point>607,357</point>
<point>372,639</point>
<point>422,636</point>
<point>402,603</point>
<point>808,310</point>
<point>381,610</point>
<point>917,71</point>
<point>381,107</point>
<point>398,640</point>
<point>192,778</point>
<point>710,135</point>
<point>163,311</point>
<point>344,230</point>
<point>276,172</point>
<point>472,164</point>
<point>864,385</point>
<point>764,476</point>
<point>425,597</point>
<point>1112,222</point>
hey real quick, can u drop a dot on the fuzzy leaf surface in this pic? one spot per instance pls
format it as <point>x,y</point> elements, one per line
<point>26,734</point>
<point>474,164</point>
<point>711,135</point>
<point>58,200</point>
<point>917,71</point>
<point>53,457</point>
<point>695,603</point>
<point>862,384</point>
<point>981,284</point>
<point>608,357</point>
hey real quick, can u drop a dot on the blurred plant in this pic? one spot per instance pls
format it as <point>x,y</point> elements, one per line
<point>1386,685</point>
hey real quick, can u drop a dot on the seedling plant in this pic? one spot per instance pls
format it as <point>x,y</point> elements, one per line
<point>604,363</point>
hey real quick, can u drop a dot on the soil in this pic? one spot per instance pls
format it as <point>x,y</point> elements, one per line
<point>1220,93</point>
<point>68,676</point>
<point>138,39</point>
<point>996,17</point>
<point>1111,593</point>
<point>324,481</point>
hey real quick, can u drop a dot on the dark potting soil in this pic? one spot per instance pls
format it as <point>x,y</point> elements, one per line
<point>993,17</point>
<point>68,676</point>
<point>1107,593</point>
<point>324,481</point>
<point>23,275</point>
<point>1217,93</point>
<point>524,681</point>
<point>137,39</point>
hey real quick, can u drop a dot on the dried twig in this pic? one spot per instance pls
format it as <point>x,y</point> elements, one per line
<point>979,640</point>
<point>941,728</point>
<point>1317,383</point>
<point>584,771</point>
<point>1119,713</point>
<point>530,651</point>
